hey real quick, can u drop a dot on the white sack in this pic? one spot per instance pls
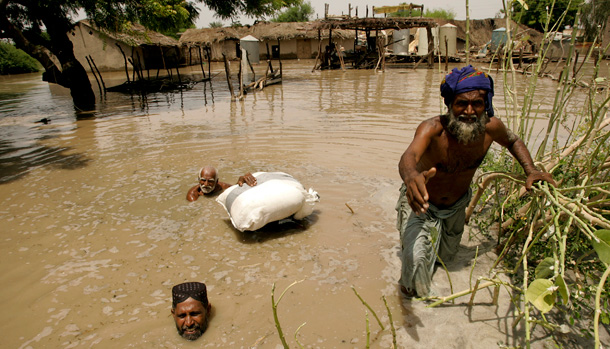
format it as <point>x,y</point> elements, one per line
<point>277,195</point>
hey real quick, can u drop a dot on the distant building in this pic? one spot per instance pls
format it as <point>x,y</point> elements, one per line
<point>283,40</point>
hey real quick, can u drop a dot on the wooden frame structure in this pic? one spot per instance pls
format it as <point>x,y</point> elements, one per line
<point>369,25</point>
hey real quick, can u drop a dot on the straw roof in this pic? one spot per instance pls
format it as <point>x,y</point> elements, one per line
<point>136,35</point>
<point>264,31</point>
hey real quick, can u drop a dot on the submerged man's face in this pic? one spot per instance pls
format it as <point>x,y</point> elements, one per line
<point>467,116</point>
<point>191,318</point>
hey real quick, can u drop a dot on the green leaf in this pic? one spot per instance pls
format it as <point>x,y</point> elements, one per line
<point>599,80</point>
<point>541,293</point>
<point>603,246</point>
<point>546,268</point>
<point>562,288</point>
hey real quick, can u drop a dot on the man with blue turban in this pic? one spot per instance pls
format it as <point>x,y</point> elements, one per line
<point>437,169</point>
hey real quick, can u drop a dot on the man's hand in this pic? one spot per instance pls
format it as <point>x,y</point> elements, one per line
<point>248,178</point>
<point>417,194</point>
<point>538,176</point>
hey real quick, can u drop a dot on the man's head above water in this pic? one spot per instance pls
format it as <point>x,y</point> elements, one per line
<point>208,179</point>
<point>190,309</point>
<point>209,184</point>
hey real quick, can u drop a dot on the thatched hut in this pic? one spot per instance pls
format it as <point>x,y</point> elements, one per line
<point>284,40</point>
<point>150,49</point>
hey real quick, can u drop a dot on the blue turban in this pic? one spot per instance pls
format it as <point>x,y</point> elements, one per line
<point>465,80</point>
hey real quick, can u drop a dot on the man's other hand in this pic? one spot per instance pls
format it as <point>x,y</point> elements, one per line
<point>248,178</point>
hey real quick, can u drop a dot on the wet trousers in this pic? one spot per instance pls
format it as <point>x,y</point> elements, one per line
<point>422,237</point>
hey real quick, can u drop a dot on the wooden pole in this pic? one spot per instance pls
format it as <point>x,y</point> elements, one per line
<point>315,65</point>
<point>201,61</point>
<point>279,56</point>
<point>98,73</point>
<point>95,76</point>
<point>208,52</point>
<point>240,75</point>
<point>124,59</point>
<point>446,54</point>
<point>467,34</point>
<point>430,47</point>
<point>228,72</point>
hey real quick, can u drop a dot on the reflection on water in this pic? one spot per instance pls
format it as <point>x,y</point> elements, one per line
<point>97,228</point>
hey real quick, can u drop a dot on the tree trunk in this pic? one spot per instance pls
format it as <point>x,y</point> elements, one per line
<point>72,74</point>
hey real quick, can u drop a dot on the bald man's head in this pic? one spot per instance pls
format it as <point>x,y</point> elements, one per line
<point>208,179</point>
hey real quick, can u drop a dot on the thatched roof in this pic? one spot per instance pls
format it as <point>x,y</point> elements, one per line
<point>264,31</point>
<point>136,35</point>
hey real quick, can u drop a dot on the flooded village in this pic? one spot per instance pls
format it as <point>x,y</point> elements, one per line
<point>97,230</point>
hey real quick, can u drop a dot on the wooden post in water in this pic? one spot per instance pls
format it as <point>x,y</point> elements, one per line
<point>430,47</point>
<point>228,72</point>
<point>240,75</point>
<point>315,65</point>
<point>208,52</point>
<point>201,61</point>
<point>124,59</point>
<point>95,76</point>
<point>446,54</point>
<point>98,73</point>
<point>279,56</point>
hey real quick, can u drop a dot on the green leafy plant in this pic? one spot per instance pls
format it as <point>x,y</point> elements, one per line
<point>15,61</point>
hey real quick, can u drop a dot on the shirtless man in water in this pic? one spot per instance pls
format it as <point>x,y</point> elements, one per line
<point>437,169</point>
<point>209,183</point>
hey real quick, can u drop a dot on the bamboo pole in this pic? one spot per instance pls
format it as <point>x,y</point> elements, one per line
<point>467,34</point>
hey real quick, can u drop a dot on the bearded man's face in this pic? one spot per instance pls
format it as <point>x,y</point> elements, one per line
<point>467,116</point>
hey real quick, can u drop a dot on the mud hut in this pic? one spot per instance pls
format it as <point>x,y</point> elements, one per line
<point>277,40</point>
<point>109,51</point>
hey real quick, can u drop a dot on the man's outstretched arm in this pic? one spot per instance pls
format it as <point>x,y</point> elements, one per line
<point>415,181</point>
<point>518,150</point>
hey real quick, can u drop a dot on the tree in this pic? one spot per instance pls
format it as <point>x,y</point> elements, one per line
<point>594,18</point>
<point>24,21</point>
<point>215,24</point>
<point>434,13</point>
<point>15,61</point>
<point>298,13</point>
<point>539,10</point>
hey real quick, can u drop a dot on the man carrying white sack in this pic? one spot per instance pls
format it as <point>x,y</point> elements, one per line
<point>276,196</point>
<point>209,183</point>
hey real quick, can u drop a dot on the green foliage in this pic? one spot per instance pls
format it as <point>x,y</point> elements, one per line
<point>538,11</point>
<point>215,24</point>
<point>15,61</point>
<point>227,9</point>
<point>594,18</point>
<point>438,13</point>
<point>298,13</point>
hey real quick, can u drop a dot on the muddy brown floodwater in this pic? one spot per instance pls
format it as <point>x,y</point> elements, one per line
<point>96,229</point>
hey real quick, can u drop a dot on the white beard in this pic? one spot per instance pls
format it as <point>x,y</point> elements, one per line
<point>206,189</point>
<point>466,132</point>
